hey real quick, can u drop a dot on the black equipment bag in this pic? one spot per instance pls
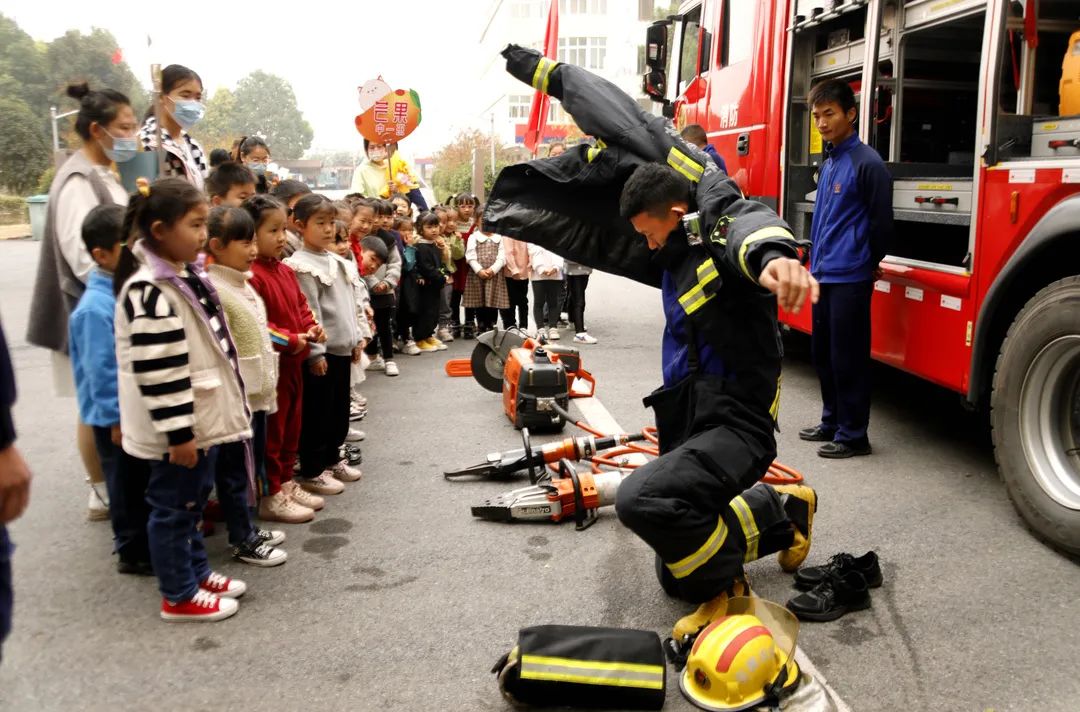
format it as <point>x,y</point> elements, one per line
<point>579,666</point>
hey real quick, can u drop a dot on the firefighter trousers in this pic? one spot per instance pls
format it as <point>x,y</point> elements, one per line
<point>688,507</point>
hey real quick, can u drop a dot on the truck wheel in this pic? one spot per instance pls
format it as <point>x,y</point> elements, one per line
<point>1035,414</point>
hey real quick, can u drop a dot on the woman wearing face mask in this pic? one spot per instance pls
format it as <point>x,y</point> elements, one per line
<point>253,152</point>
<point>181,108</point>
<point>107,126</point>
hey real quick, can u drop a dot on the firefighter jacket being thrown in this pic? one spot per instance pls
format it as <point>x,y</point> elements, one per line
<point>696,505</point>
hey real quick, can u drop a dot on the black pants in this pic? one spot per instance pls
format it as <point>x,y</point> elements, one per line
<point>383,342</point>
<point>518,290</point>
<point>576,286</point>
<point>325,415</point>
<point>231,481</point>
<point>126,479</point>
<point>427,316</point>
<point>841,348</point>
<point>455,310</point>
<point>486,318</point>
<point>547,300</point>
<point>697,505</point>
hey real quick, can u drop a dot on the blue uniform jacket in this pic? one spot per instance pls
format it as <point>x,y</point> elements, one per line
<point>93,352</point>
<point>853,215</point>
<point>717,158</point>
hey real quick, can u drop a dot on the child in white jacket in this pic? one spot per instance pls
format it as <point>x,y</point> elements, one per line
<point>546,273</point>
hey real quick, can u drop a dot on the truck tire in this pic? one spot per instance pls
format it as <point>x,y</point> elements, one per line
<point>1035,414</point>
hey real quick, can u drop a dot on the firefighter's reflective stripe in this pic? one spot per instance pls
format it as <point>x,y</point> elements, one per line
<point>542,75</point>
<point>690,168</point>
<point>684,567</point>
<point>592,153</point>
<point>758,235</point>
<point>749,527</point>
<point>592,672</point>
<point>774,409</point>
<point>696,297</point>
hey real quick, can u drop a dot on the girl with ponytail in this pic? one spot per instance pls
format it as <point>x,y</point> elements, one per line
<point>181,393</point>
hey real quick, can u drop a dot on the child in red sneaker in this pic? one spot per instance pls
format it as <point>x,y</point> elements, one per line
<point>180,390</point>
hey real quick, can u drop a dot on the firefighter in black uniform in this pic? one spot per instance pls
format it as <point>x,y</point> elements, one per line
<point>722,263</point>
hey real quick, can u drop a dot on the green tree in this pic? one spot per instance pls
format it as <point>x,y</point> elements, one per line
<point>23,72</point>
<point>75,57</point>
<point>453,163</point>
<point>24,152</point>
<point>219,127</point>
<point>266,105</point>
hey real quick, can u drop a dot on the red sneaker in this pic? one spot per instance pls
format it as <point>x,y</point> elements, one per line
<point>203,606</point>
<point>223,586</point>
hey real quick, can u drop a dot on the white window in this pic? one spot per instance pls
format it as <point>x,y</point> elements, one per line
<point>588,52</point>
<point>519,106</point>
<point>739,27</point>
<point>583,7</point>
<point>522,8</point>
<point>556,114</point>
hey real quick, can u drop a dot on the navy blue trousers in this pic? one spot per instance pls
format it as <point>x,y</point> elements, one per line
<point>6,549</point>
<point>841,348</point>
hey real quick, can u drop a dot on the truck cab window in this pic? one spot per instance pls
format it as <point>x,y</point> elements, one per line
<point>691,48</point>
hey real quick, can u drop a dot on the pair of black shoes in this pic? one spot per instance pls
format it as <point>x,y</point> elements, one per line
<point>352,454</point>
<point>840,586</point>
<point>831,449</point>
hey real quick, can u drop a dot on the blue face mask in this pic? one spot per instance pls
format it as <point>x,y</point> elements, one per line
<point>187,112</point>
<point>123,149</point>
<point>258,169</point>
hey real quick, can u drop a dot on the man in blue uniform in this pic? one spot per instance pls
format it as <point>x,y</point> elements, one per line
<point>852,228</point>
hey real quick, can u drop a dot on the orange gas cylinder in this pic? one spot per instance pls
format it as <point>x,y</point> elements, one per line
<point>1070,78</point>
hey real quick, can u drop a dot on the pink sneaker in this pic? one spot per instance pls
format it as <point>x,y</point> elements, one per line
<point>342,471</point>
<point>302,497</point>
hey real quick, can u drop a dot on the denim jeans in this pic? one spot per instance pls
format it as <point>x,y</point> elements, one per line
<point>6,596</point>
<point>177,497</point>
<point>126,478</point>
<point>231,480</point>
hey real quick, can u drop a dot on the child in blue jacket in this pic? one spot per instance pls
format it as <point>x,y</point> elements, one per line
<point>93,358</point>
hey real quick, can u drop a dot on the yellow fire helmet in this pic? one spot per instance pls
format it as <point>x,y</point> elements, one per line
<point>741,660</point>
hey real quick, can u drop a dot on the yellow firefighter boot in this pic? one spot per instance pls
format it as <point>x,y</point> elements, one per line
<point>800,503</point>
<point>706,613</point>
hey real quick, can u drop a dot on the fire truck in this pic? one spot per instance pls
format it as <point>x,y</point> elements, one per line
<point>974,105</point>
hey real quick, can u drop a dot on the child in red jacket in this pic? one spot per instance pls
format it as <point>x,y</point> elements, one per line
<point>292,326</point>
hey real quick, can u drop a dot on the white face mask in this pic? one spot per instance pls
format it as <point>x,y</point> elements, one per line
<point>377,154</point>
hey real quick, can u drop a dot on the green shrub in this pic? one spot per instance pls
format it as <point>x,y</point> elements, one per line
<point>13,210</point>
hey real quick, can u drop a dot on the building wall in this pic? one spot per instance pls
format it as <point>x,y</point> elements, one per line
<point>604,36</point>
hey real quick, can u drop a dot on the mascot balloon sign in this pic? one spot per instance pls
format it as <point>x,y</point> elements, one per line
<point>387,115</point>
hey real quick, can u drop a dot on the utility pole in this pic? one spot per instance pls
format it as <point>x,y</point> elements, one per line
<point>493,143</point>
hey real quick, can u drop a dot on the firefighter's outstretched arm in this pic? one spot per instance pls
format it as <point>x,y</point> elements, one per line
<point>755,242</point>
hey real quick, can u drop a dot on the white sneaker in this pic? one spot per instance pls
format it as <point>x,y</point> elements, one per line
<point>553,334</point>
<point>444,334</point>
<point>584,338</point>
<point>391,368</point>
<point>411,349</point>
<point>359,400</point>
<point>343,472</point>
<point>355,435</point>
<point>377,364</point>
<point>97,507</point>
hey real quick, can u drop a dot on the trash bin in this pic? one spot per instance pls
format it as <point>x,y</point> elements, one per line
<point>38,206</point>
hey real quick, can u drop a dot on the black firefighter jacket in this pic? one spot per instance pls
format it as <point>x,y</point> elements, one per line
<point>713,305</point>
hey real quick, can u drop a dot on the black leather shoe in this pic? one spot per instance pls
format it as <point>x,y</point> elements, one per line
<point>135,568</point>
<point>840,451</point>
<point>816,434</point>
<point>832,598</point>
<point>867,565</point>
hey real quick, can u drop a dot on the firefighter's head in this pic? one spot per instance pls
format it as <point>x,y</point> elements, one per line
<point>832,104</point>
<point>654,200</point>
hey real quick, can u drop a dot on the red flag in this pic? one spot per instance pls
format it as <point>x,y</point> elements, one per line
<point>534,133</point>
<point>117,56</point>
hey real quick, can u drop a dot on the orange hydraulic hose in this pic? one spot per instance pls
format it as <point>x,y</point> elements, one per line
<point>778,473</point>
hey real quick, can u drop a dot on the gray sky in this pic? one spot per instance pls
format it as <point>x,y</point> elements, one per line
<point>324,49</point>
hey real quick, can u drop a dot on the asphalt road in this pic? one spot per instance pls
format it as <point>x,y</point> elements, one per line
<point>396,599</point>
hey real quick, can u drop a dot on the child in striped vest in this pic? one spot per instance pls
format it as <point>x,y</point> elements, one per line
<point>180,391</point>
